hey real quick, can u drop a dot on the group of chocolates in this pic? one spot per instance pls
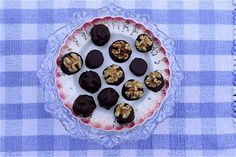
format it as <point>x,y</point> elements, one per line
<point>119,51</point>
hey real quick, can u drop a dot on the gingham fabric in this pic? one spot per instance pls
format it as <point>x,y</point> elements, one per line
<point>202,123</point>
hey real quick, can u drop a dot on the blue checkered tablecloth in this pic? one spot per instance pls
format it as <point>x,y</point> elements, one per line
<point>202,124</point>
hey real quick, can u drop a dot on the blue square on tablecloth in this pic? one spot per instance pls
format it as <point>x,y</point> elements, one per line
<point>45,143</point>
<point>74,143</point>
<point>11,16</point>
<point>177,142</point>
<point>210,108</point>
<point>209,142</point>
<point>11,47</point>
<point>62,143</point>
<point>45,15</point>
<point>30,143</point>
<point>15,111</point>
<point>13,79</point>
<point>39,113</point>
<point>12,143</point>
<point>145,144</point>
<point>207,78</point>
<point>207,16</point>
<point>174,17</point>
<point>29,16</point>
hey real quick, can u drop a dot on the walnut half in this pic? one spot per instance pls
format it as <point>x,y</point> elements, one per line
<point>72,62</point>
<point>134,89</point>
<point>143,42</point>
<point>121,49</point>
<point>124,110</point>
<point>153,79</point>
<point>113,73</point>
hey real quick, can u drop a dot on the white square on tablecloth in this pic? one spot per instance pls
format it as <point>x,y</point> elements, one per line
<point>29,62</point>
<point>192,63</point>
<point>192,94</point>
<point>29,127</point>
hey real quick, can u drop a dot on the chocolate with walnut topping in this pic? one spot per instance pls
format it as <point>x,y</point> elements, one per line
<point>114,75</point>
<point>71,63</point>
<point>132,90</point>
<point>143,43</point>
<point>154,81</point>
<point>124,113</point>
<point>120,51</point>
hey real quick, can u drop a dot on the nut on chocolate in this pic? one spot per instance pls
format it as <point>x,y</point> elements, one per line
<point>154,81</point>
<point>132,90</point>
<point>119,48</point>
<point>113,74</point>
<point>71,63</point>
<point>120,51</point>
<point>143,43</point>
<point>123,110</point>
<point>124,113</point>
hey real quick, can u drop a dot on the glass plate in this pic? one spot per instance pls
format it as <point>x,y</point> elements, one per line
<point>54,104</point>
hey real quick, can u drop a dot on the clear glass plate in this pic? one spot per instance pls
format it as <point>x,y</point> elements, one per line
<point>55,106</point>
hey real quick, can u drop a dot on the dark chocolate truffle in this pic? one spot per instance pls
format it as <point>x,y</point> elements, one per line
<point>71,63</point>
<point>154,81</point>
<point>120,51</point>
<point>132,90</point>
<point>84,106</point>
<point>124,113</point>
<point>90,81</point>
<point>100,34</point>
<point>94,59</point>
<point>138,66</point>
<point>107,98</point>
<point>114,75</point>
<point>143,43</point>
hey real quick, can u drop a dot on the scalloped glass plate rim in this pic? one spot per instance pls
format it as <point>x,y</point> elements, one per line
<point>54,106</point>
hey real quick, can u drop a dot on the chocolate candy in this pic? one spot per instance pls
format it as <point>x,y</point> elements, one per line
<point>143,43</point>
<point>138,66</point>
<point>100,34</point>
<point>94,59</point>
<point>71,63</point>
<point>120,51</point>
<point>84,106</point>
<point>132,90</point>
<point>107,98</point>
<point>124,113</point>
<point>90,81</point>
<point>154,81</point>
<point>114,75</point>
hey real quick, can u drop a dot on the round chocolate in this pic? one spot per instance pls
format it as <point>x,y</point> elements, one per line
<point>107,98</point>
<point>124,113</point>
<point>143,43</point>
<point>94,59</point>
<point>90,81</point>
<point>114,75</point>
<point>154,81</point>
<point>132,90</point>
<point>71,63</point>
<point>138,66</point>
<point>120,51</point>
<point>84,105</point>
<point>100,34</point>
